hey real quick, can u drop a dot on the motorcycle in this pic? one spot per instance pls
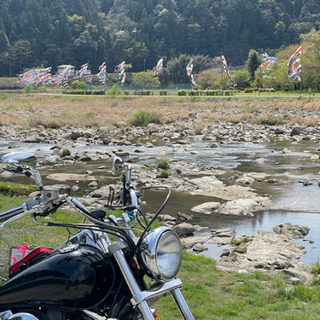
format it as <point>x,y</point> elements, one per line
<point>114,267</point>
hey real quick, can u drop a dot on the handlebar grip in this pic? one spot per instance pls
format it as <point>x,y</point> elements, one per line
<point>5,215</point>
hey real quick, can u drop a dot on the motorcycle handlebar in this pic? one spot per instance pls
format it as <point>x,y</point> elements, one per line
<point>8,214</point>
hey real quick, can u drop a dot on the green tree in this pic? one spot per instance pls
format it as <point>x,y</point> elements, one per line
<point>310,59</point>
<point>253,62</point>
<point>146,79</point>
<point>241,78</point>
<point>206,79</point>
<point>20,54</point>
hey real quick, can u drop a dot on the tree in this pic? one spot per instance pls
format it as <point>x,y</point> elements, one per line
<point>206,79</point>
<point>253,62</point>
<point>241,78</point>
<point>310,59</point>
<point>4,47</point>
<point>20,54</point>
<point>146,79</point>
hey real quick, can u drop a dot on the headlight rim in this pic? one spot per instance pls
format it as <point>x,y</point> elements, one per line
<point>148,259</point>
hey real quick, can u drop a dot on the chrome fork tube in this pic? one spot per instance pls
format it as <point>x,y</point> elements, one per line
<point>182,304</point>
<point>132,284</point>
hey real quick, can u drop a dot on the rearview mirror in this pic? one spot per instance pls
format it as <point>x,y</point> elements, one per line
<point>19,162</point>
<point>117,166</point>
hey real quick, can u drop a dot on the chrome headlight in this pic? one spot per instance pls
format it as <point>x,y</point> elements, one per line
<point>161,254</point>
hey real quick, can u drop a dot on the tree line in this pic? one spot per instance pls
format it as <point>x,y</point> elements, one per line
<point>50,33</point>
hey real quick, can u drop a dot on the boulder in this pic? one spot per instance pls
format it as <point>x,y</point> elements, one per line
<point>290,231</point>
<point>296,131</point>
<point>206,208</point>
<point>222,236</point>
<point>190,242</point>
<point>244,207</point>
<point>184,229</point>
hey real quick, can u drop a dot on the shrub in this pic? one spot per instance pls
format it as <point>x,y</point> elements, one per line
<point>250,109</point>
<point>164,164</point>
<point>114,91</point>
<point>79,85</point>
<point>65,153</point>
<point>272,120</point>
<point>28,88</point>
<point>315,268</point>
<point>43,89</point>
<point>143,117</point>
<point>164,173</point>
<point>99,92</point>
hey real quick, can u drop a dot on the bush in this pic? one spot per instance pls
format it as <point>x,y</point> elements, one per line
<point>272,120</point>
<point>143,117</point>
<point>164,173</point>
<point>43,89</point>
<point>99,92</point>
<point>114,91</point>
<point>182,93</point>
<point>65,153</point>
<point>79,85</point>
<point>28,88</point>
<point>163,164</point>
<point>143,93</point>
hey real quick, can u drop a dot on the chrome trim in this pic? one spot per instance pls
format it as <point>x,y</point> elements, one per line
<point>164,288</point>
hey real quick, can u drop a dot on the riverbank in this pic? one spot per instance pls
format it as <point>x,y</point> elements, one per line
<point>209,122</point>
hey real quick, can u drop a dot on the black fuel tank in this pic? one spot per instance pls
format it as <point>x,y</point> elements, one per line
<point>79,278</point>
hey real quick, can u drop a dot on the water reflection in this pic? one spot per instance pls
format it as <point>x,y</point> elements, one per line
<point>285,161</point>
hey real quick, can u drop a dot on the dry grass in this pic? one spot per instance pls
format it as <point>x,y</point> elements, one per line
<point>87,111</point>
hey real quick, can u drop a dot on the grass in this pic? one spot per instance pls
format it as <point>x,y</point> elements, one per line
<point>14,189</point>
<point>214,294</point>
<point>143,117</point>
<point>53,111</point>
<point>210,293</point>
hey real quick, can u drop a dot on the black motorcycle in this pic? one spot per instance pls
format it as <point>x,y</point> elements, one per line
<point>103,270</point>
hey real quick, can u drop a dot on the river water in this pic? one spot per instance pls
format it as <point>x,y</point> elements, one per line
<point>293,201</point>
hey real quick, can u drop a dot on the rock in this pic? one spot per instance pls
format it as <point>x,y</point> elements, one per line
<point>297,274</point>
<point>85,158</point>
<point>244,207</point>
<point>93,184</point>
<point>206,208</point>
<point>189,242</point>
<point>296,131</point>
<point>225,253</point>
<point>75,135</point>
<point>268,251</point>
<point>183,216</point>
<point>63,188</point>
<point>205,183</point>
<point>184,229</point>
<point>222,236</point>
<point>166,217</point>
<point>199,248</point>
<point>290,231</point>
<point>286,151</point>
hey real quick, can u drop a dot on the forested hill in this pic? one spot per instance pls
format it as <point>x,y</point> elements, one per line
<point>54,32</point>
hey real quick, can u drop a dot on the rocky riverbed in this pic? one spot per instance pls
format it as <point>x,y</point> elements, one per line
<point>230,193</point>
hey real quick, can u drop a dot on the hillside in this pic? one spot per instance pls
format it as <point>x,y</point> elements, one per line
<point>50,33</point>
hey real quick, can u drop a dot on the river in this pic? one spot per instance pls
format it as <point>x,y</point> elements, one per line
<point>293,201</point>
